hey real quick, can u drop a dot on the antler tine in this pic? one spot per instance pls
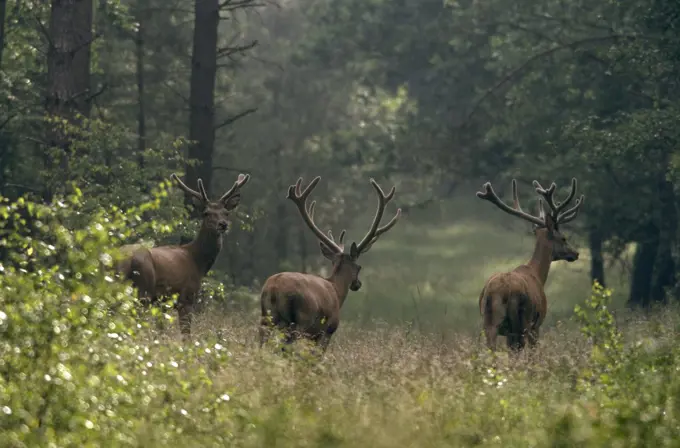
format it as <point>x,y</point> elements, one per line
<point>240,182</point>
<point>548,195</point>
<point>572,213</point>
<point>375,231</point>
<point>490,195</point>
<point>186,189</point>
<point>299,198</point>
<point>556,209</point>
<point>342,237</point>
<point>562,205</point>
<point>201,190</point>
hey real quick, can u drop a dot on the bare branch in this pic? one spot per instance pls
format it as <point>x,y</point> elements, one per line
<point>234,170</point>
<point>236,117</point>
<point>519,70</point>
<point>229,51</point>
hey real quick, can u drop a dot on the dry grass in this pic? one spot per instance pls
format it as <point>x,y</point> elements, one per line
<point>394,386</point>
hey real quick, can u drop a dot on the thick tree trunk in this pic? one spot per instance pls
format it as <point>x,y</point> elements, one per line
<point>596,257</point>
<point>68,70</point>
<point>202,93</point>
<point>643,269</point>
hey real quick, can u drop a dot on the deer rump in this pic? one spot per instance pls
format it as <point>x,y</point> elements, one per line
<point>513,306</point>
<point>297,304</point>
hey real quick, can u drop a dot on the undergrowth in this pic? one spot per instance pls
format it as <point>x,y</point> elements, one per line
<point>79,366</point>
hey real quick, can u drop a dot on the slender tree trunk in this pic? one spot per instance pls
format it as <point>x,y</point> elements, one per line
<point>304,255</point>
<point>141,97</point>
<point>281,238</point>
<point>68,71</point>
<point>3,13</point>
<point>597,259</point>
<point>202,93</point>
<point>643,268</point>
<point>668,227</point>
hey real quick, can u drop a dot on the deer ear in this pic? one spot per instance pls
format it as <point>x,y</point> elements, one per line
<point>232,202</point>
<point>327,252</point>
<point>354,251</point>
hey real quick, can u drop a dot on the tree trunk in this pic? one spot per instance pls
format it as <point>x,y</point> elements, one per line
<point>643,269</point>
<point>68,71</point>
<point>3,13</point>
<point>202,93</point>
<point>668,227</point>
<point>596,257</point>
<point>281,238</point>
<point>141,99</point>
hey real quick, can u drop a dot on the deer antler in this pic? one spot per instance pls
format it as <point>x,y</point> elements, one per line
<point>557,212</point>
<point>489,195</point>
<point>375,231</point>
<point>202,196</point>
<point>299,197</point>
<point>235,189</point>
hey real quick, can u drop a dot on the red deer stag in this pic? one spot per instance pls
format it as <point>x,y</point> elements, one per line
<point>513,304</point>
<point>308,305</point>
<point>162,271</point>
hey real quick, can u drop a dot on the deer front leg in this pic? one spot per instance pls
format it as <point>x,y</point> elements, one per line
<point>185,311</point>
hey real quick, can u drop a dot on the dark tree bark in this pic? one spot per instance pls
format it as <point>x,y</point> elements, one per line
<point>141,97</point>
<point>643,268</point>
<point>3,13</point>
<point>68,69</point>
<point>597,259</point>
<point>202,93</point>
<point>665,264</point>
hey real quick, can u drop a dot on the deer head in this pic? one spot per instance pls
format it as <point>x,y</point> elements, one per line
<point>216,213</point>
<point>335,251</point>
<point>546,226</point>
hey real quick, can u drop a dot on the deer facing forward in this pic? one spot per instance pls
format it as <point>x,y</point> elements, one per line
<point>163,271</point>
<point>513,304</point>
<point>307,305</point>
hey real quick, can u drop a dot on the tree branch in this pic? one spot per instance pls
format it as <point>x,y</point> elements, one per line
<point>228,51</point>
<point>516,72</point>
<point>234,170</point>
<point>236,117</point>
<point>231,5</point>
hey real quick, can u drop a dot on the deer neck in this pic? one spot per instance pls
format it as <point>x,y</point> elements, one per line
<point>542,257</point>
<point>205,248</point>
<point>341,278</point>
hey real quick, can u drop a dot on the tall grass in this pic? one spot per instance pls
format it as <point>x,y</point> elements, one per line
<point>80,367</point>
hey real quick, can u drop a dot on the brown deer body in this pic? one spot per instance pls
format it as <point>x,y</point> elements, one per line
<point>307,305</point>
<point>160,272</point>
<point>513,304</point>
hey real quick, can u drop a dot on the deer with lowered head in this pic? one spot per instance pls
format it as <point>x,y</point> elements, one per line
<point>307,305</point>
<point>160,272</point>
<point>513,304</point>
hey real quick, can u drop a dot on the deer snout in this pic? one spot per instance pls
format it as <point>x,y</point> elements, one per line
<point>223,226</point>
<point>572,256</point>
<point>356,285</point>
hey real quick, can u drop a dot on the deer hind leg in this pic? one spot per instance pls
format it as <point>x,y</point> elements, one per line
<point>518,311</point>
<point>494,315</point>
